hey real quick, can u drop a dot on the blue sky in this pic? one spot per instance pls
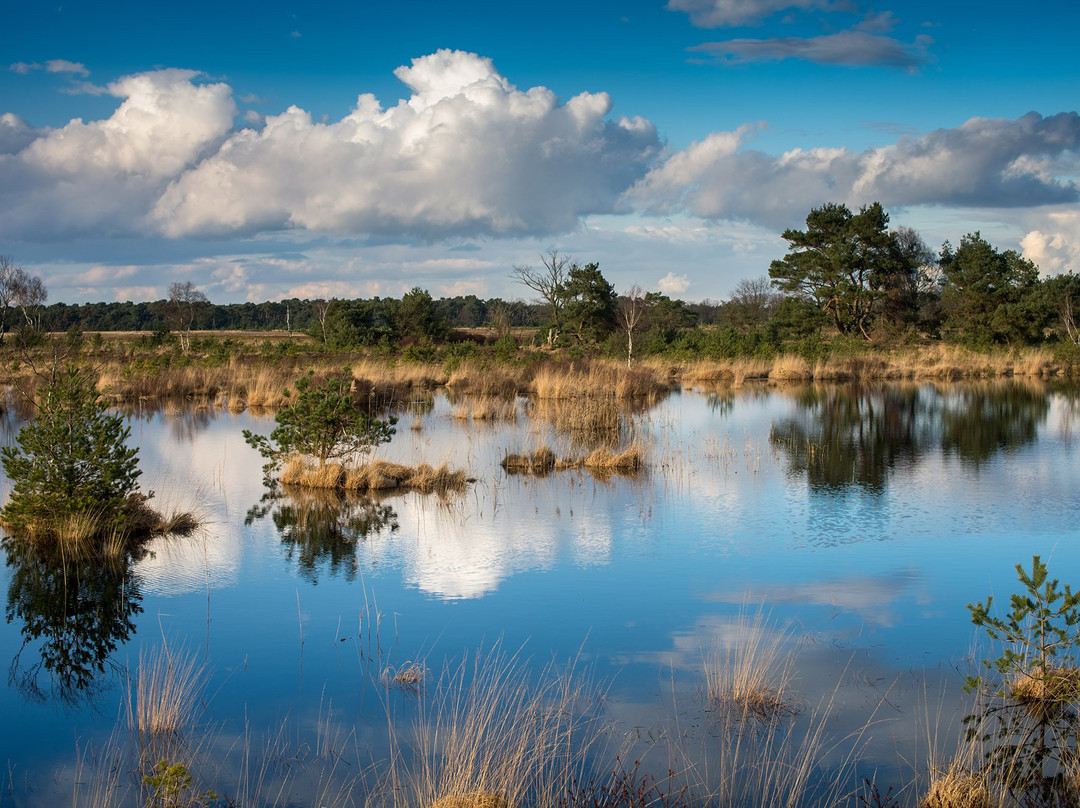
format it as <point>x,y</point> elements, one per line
<point>671,141</point>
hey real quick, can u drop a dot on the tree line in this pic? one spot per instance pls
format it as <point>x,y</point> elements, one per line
<point>846,276</point>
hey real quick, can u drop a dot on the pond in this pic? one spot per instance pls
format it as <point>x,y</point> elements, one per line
<point>852,525</point>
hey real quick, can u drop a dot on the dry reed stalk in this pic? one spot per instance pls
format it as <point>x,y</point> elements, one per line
<point>744,370</point>
<point>169,687</point>
<point>498,381</point>
<point>542,461</point>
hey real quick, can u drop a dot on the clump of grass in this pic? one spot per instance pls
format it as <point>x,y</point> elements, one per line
<point>597,379</point>
<point>382,475</point>
<point>958,788</point>
<point>1045,692</point>
<point>751,678</point>
<point>540,462</point>
<point>408,678</point>
<point>168,689</point>
<point>627,461</point>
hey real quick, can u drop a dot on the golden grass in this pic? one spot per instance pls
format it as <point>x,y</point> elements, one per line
<point>167,692</point>
<point>484,407</point>
<point>408,678</point>
<point>597,378</point>
<point>627,461</point>
<point>748,675</point>
<point>540,462</point>
<point>490,381</point>
<point>373,476</point>
<point>958,788</point>
<point>600,461</point>
<point>1044,693</point>
<point>488,735</point>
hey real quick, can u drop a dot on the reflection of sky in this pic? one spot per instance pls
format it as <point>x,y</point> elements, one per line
<point>636,574</point>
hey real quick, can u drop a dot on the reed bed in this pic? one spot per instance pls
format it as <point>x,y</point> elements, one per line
<point>373,476</point>
<point>543,461</point>
<point>597,378</point>
<point>485,407</point>
<point>495,381</point>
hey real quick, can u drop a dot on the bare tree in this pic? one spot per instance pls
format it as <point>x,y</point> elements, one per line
<point>550,284</point>
<point>185,301</point>
<point>755,300</point>
<point>322,308</point>
<point>8,280</point>
<point>628,315</point>
<point>499,320</point>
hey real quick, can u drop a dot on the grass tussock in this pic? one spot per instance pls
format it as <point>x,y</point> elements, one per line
<point>168,690</point>
<point>373,476</point>
<point>600,461</point>
<point>1044,693</point>
<point>585,421</point>
<point>958,788</point>
<point>408,678</point>
<point>496,381</point>
<point>485,407</point>
<point>748,675</point>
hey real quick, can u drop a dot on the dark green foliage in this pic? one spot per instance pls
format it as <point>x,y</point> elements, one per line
<point>416,317</point>
<point>324,421</point>
<point>987,297</point>
<point>590,303</point>
<point>71,460</point>
<point>1028,714</point>
<point>845,264</point>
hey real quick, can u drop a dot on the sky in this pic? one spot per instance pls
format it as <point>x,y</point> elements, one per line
<point>329,149</point>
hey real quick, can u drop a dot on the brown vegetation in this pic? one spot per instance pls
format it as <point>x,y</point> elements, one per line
<point>375,475</point>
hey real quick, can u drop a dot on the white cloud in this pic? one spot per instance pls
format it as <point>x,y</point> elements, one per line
<point>15,134</point>
<point>984,162</point>
<point>467,153</point>
<point>672,284</point>
<point>22,68</point>
<point>103,176</point>
<point>1055,248</point>
<point>64,66</point>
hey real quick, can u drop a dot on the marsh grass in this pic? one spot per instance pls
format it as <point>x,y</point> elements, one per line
<point>601,461</point>
<point>373,476</point>
<point>408,677</point>
<point>1044,693</point>
<point>748,675</point>
<point>488,734</point>
<point>598,379</point>
<point>168,689</point>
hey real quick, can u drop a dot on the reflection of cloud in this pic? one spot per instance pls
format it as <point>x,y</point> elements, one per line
<point>869,596</point>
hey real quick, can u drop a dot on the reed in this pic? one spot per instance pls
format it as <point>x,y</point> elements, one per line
<point>750,678</point>
<point>628,461</point>
<point>597,378</point>
<point>168,690</point>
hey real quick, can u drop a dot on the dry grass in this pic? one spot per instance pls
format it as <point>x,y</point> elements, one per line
<point>587,421</point>
<point>597,378</point>
<point>1044,693</point>
<point>490,736</point>
<point>408,678</point>
<point>375,475</point>
<point>958,788</point>
<point>168,691</point>
<point>748,675</point>
<point>485,407</point>
<point>490,381</point>
<point>540,462</point>
<point>627,461</point>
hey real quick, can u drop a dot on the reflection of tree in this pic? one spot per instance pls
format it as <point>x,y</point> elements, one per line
<point>854,435</point>
<point>79,610</point>
<point>320,526</point>
<point>857,435</point>
<point>978,422</point>
<point>189,422</point>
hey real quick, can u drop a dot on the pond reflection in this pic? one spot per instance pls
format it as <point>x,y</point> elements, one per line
<point>857,435</point>
<point>323,528</point>
<point>74,613</point>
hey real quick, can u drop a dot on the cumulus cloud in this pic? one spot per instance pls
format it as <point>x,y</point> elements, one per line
<point>84,177</point>
<point>853,48</point>
<point>466,153</point>
<point>727,13</point>
<point>1055,247</point>
<point>982,163</point>
<point>672,284</point>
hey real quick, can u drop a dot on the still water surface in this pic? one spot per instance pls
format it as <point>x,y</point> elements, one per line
<point>863,518</point>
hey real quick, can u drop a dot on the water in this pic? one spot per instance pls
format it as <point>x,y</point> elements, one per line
<point>860,520</point>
